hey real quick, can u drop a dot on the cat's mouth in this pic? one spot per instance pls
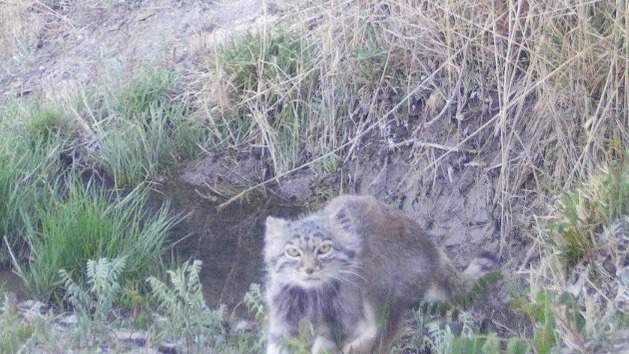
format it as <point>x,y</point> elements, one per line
<point>311,277</point>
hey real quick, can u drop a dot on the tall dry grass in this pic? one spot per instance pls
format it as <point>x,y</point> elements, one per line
<point>533,93</point>
<point>536,88</point>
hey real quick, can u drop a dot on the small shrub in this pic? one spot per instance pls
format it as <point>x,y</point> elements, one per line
<point>94,305</point>
<point>581,215</point>
<point>185,313</point>
<point>274,79</point>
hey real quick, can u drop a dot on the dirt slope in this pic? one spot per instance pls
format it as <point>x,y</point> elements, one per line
<point>90,41</point>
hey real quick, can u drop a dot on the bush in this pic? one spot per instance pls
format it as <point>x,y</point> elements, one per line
<point>272,80</point>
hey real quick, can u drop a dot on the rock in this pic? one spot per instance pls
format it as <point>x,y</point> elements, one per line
<point>167,348</point>
<point>68,320</point>
<point>31,309</point>
<point>244,326</point>
<point>135,338</point>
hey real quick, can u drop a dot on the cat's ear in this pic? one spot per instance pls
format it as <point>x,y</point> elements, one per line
<point>274,227</point>
<point>342,218</point>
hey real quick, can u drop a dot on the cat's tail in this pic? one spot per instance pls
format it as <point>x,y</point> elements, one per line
<point>449,283</point>
<point>484,263</point>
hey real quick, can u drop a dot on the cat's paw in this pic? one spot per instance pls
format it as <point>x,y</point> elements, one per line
<point>324,345</point>
<point>357,347</point>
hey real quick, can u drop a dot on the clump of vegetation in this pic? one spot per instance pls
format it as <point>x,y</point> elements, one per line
<point>29,148</point>
<point>13,332</point>
<point>271,82</point>
<point>581,216</point>
<point>94,305</point>
<point>186,316</point>
<point>89,223</point>
<point>581,269</point>
<point>146,129</point>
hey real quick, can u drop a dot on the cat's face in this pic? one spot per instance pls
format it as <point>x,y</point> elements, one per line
<point>309,252</point>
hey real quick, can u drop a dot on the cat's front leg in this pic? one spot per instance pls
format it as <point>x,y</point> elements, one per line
<point>279,332</point>
<point>324,345</point>
<point>365,334</point>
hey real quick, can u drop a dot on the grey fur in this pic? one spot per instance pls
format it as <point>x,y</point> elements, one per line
<point>380,263</point>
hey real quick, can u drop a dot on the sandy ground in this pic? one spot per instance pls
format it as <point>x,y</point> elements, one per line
<point>91,41</point>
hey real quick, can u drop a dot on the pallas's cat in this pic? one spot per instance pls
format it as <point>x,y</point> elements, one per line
<point>351,270</point>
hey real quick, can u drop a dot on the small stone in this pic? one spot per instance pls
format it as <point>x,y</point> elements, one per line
<point>135,338</point>
<point>167,348</point>
<point>33,309</point>
<point>68,320</point>
<point>244,326</point>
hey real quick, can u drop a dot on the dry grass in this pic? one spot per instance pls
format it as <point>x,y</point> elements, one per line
<point>18,28</point>
<point>537,89</point>
<point>534,92</point>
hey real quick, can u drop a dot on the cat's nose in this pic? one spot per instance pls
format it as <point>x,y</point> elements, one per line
<point>309,270</point>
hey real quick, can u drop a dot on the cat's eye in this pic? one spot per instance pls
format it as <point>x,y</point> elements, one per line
<point>324,249</point>
<point>292,252</point>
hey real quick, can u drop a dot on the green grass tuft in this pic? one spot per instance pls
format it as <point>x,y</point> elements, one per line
<point>147,130</point>
<point>581,215</point>
<point>274,78</point>
<point>88,223</point>
<point>29,156</point>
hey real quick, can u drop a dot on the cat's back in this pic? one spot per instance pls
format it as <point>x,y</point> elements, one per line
<point>397,254</point>
<point>377,221</point>
<point>388,233</point>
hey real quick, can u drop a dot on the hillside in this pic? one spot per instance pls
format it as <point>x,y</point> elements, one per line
<point>136,135</point>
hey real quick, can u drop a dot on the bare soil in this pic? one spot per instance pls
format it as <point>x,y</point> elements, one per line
<point>88,41</point>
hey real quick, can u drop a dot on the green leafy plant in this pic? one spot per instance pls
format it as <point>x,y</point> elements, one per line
<point>540,312</point>
<point>581,214</point>
<point>185,313</point>
<point>254,301</point>
<point>93,304</point>
<point>13,331</point>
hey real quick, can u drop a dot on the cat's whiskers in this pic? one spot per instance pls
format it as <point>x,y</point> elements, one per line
<point>341,279</point>
<point>346,271</point>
